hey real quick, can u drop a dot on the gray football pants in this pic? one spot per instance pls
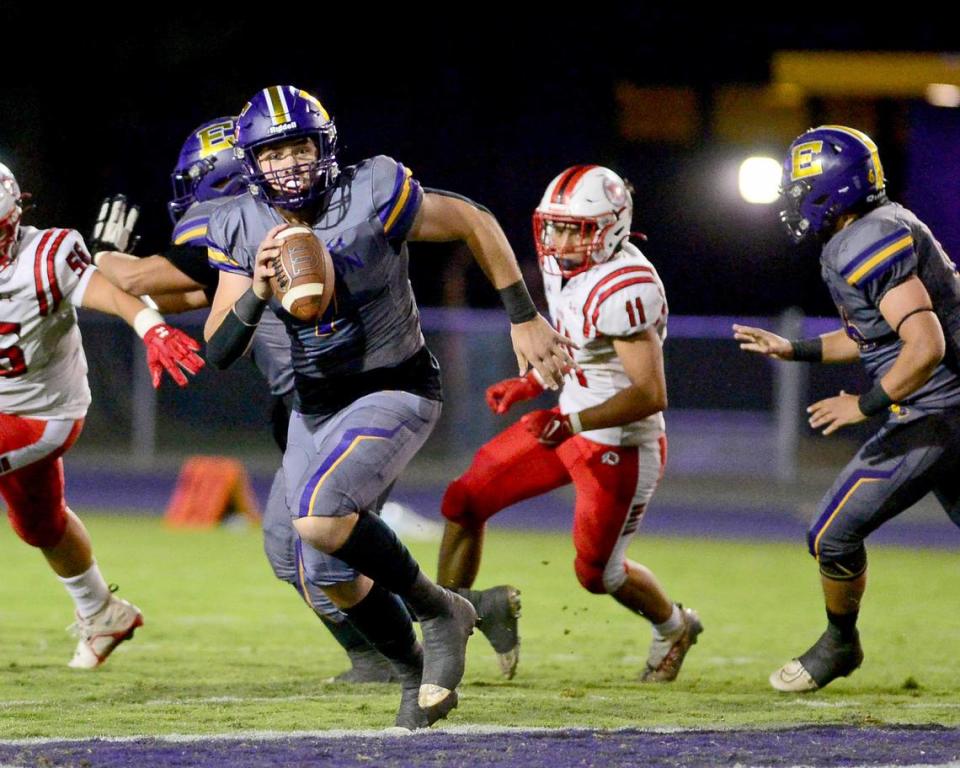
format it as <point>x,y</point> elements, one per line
<point>347,462</point>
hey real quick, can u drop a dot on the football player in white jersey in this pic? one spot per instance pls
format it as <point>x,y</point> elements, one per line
<point>44,275</point>
<point>607,434</point>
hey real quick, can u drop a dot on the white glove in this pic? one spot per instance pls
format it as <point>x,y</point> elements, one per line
<point>113,230</point>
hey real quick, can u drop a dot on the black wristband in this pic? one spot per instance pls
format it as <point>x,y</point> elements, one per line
<point>875,400</point>
<point>249,307</point>
<point>516,300</point>
<point>808,350</point>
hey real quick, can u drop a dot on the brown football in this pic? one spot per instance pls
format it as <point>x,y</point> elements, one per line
<point>304,274</point>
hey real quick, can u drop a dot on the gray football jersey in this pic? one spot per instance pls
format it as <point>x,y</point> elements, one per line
<point>191,228</point>
<point>372,321</point>
<point>874,254</point>
<point>270,351</point>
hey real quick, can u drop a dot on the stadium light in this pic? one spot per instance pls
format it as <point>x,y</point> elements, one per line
<point>943,95</point>
<point>759,180</point>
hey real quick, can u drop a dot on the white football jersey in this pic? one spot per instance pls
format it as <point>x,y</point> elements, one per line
<point>43,371</point>
<point>617,298</point>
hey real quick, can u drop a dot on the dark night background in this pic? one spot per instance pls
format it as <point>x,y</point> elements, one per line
<point>474,99</point>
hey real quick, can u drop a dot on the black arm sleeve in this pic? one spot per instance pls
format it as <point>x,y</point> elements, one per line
<point>231,339</point>
<point>192,261</point>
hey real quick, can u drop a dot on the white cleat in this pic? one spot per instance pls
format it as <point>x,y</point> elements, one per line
<point>793,678</point>
<point>667,653</point>
<point>101,633</point>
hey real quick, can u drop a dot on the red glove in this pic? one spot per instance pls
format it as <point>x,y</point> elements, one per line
<point>170,349</point>
<point>503,394</point>
<point>551,427</point>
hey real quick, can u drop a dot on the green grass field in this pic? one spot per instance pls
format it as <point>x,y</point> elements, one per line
<point>227,648</point>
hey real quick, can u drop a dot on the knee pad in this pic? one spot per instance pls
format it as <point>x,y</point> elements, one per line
<point>845,566</point>
<point>590,575</point>
<point>42,530</point>
<point>458,506</point>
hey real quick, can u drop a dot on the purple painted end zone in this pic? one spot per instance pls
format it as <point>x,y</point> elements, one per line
<point>814,746</point>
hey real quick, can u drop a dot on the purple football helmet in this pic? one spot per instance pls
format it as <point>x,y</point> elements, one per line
<point>829,171</point>
<point>207,167</point>
<point>280,113</point>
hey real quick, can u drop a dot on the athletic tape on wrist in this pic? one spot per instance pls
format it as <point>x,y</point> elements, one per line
<point>146,319</point>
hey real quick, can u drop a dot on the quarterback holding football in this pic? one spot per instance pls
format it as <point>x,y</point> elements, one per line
<point>368,388</point>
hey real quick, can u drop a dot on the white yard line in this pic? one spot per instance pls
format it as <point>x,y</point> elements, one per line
<point>338,733</point>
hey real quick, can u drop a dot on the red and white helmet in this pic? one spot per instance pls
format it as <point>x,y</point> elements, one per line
<point>10,213</point>
<point>596,200</point>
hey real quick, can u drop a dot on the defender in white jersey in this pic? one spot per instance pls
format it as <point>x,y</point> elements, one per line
<point>607,435</point>
<point>44,276</point>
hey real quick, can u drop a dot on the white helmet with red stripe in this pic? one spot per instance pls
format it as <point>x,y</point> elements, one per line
<point>582,220</point>
<point>10,213</point>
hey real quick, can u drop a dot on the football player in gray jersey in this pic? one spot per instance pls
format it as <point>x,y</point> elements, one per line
<point>368,388</point>
<point>206,175</point>
<point>898,295</point>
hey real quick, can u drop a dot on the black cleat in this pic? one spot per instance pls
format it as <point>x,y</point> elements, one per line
<point>444,655</point>
<point>498,609</point>
<point>411,715</point>
<point>368,665</point>
<point>826,660</point>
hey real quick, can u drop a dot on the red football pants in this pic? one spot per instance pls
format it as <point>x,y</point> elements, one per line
<point>31,475</point>
<point>613,485</point>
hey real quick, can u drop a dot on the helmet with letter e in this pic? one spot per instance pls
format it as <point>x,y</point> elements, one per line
<point>207,167</point>
<point>829,171</point>
<point>583,219</point>
<point>279,116</point>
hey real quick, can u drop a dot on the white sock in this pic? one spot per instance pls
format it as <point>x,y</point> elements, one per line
<point>671,625</point>
<point>88,590</point>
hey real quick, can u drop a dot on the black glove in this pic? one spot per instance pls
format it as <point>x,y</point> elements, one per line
<point>113,230</point>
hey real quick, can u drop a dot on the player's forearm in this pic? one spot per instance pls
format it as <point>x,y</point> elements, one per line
<point>625,407</point>
<point>232,335</point>
<point>103,296</point>
<point>839,348</point>
<point>214,320</point>
<point>918,359</point>
<point>492,251</point>
<point>152,275</point>
<point>173,303</point>
<point>119,269</point>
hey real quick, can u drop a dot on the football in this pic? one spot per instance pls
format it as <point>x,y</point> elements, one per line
<point>304,279</point>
